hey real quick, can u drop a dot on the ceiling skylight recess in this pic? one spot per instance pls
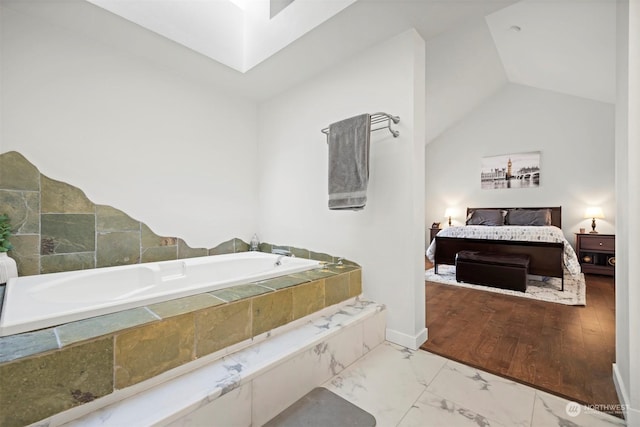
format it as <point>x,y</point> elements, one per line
<point>277,6</point>
<point>238,33</point>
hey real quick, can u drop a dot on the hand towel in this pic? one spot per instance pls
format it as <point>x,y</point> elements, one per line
<point>349,162</point>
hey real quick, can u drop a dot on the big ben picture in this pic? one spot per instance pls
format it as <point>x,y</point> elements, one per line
<point>521,170</point>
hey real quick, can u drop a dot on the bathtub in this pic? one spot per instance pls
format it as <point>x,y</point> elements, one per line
<point>41,301</point>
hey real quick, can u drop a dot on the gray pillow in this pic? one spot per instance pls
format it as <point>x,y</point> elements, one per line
<point>491,217</point>
<point>528,217</point>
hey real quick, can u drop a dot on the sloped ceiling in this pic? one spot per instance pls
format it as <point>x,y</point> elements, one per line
<point>463,70</point>
<point>564,46</point>
<point>239,34</point>
<point>473,48</point>
<point>361,25</point>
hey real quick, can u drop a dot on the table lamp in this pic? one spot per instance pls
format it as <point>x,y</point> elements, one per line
<point>448,213</point>
<point>593,213</point>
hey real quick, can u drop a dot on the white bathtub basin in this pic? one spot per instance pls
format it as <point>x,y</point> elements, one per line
<point>40,301</point>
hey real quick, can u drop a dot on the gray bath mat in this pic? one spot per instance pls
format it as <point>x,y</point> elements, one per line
<point>322,408</point>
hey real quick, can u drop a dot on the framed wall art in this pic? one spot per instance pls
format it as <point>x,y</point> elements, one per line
<point>519,170</point>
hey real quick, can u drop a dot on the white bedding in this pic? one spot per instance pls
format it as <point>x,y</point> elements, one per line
<point>520,233</point>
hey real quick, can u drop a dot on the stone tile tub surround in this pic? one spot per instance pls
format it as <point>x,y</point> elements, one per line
<point>238,389</point>
<point>55,228</point>
<point>139,344</point>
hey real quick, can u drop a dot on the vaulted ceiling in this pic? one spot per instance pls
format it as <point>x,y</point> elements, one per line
<point>562,45</point>
<point>473,47</point>
<point>239,63</point>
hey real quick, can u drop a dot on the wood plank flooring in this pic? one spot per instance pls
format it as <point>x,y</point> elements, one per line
<point>565,350</point>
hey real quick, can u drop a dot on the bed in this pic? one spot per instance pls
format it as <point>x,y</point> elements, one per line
<point>538,235</point>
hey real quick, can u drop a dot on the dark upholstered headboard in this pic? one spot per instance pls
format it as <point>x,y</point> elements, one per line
<point>556,213</point>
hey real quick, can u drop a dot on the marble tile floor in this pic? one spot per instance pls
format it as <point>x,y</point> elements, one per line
<point>406,388</point>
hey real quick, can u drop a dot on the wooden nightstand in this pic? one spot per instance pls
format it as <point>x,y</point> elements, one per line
<point>597,253</point>
<point>432,233</point>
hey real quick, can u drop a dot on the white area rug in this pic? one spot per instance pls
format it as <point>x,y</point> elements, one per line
<point>540,288</point>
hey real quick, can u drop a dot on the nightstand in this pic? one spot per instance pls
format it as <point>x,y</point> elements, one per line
<point>432,233</point>
<point>596,253</point>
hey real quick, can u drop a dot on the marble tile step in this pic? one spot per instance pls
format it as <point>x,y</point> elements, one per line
<point>171,398</point>
<point>321,408</point>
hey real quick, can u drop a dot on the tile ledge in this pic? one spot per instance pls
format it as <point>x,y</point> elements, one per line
<point>205,379</point>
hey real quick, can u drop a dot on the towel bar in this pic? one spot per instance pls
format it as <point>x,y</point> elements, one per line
<point>378,118</point>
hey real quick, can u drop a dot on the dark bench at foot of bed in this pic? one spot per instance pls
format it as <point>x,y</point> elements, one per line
<point>505,271</point>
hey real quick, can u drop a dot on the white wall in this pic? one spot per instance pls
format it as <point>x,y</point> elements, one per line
<point>171,152</point>
<point>387,237</point>
<point>463,70</point>
<point>626,372</point>
<point>574,135</point>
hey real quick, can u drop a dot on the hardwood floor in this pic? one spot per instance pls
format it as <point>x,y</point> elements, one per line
<point>565,350</point>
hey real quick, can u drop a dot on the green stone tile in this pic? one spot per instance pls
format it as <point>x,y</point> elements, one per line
<point>301,253</point>
<point>265,247</point>
<point>118,248</point>
<point>321,257</point>
<point>340,268</point>
<point>185,251</point>
<point>352,263</point>
<point>17,173</point>
<point>282,282</point>
<point>23,210</point>
<point>185,305</point>
<point>67,262</point>
<point>240,245</point>
<point>60,197</point>
<point>315,274</point>
<point>94,327</point>
<point>67,233</point>
<point>272,310</point>
<point>222,326</point>
<point>151,239</point>
<point>235,293</point>
<point>150,350</point>
<point>227,247</point>
<point>26,252</point>
<point>355,283</point>
<point>336,289</point>
<point>14,347</point>
<point>308,298</point>
<point>112,219</point>
<point>37,387</point>
<point>160,253</point>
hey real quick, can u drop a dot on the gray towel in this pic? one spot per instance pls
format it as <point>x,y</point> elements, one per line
<point>349,162</point>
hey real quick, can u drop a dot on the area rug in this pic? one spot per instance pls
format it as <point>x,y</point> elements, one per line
<point>539,288</point>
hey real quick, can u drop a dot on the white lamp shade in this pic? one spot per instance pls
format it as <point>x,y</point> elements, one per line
<point>450,212</point>
<point>594,212</point>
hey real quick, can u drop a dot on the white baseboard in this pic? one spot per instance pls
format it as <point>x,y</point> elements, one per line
<point>631,415</point>
<point>620,389</point>
<point>413,342</point>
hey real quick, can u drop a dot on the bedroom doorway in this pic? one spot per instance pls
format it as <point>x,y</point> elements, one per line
<point>561,349</point>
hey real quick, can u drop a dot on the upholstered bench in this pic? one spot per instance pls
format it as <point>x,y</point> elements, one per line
<point>499,270</point>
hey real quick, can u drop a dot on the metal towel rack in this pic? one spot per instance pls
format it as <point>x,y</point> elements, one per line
<point>377,118</point>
